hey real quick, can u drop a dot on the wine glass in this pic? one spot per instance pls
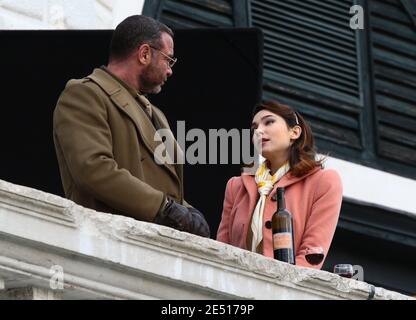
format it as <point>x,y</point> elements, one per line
<point>344,270</point>
<point>314,255</point>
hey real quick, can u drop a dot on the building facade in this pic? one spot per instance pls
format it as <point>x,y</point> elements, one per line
<point>349,66</point>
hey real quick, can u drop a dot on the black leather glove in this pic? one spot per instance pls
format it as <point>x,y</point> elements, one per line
<point>182,218</point>
<point>200,224</point>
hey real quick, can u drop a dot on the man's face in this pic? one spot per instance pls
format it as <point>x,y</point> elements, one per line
<point>157,72</point>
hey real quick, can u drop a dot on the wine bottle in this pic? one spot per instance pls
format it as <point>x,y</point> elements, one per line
<point>282,228</point>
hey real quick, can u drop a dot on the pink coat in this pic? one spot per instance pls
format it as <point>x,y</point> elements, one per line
<point>314,201</point>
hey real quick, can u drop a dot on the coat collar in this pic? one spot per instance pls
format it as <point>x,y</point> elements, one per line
<point>126,102</point>
<point>287,180</point>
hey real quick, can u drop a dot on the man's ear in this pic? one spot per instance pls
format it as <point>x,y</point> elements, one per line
<point>144,54</point>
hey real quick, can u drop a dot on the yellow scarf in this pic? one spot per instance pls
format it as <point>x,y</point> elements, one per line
<point>265,183</point>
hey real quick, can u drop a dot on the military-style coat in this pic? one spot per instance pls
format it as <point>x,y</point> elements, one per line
<point>107,151</point>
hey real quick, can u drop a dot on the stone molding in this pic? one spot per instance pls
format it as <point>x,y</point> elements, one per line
<point>105,256</point>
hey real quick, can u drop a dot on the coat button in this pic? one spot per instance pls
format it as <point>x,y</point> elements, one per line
<point>268,224</point>
<point>274,197</point>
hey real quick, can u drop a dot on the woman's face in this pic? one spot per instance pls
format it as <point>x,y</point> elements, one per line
<point>272,134</point>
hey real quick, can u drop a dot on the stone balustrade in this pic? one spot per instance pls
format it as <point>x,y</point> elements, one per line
<point>52,248</point>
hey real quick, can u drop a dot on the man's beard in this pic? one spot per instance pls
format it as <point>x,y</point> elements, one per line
<point>148,82</point>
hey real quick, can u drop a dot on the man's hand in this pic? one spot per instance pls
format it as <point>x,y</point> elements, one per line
<point>182,218</point>
<point>200,223</point>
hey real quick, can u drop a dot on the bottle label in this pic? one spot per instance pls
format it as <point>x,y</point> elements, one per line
<point>282,240</point>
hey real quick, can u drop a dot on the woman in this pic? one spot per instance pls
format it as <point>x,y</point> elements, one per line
<point>313,195</point>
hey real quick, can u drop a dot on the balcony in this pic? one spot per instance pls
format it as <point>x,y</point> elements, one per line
<point>52,248</point>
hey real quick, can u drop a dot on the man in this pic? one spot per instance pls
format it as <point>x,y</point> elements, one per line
<point>104,129</point>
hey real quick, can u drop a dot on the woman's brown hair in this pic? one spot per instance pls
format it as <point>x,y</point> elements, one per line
<point>302,152</point>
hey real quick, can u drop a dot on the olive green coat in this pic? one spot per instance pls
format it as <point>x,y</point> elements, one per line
<point>105,146</point>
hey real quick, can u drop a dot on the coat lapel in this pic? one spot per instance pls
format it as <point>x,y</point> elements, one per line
<point>251,190</point>
<point>288,179</point>
<point>177,152</point>
<point>128,105</point>
<point>253,195</point>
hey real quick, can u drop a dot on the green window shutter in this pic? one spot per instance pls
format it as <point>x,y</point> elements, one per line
<point>311,62</point>
<point>394,64</point>
<point>194,13</point>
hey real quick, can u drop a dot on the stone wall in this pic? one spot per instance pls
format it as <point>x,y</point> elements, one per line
<point>51,248</point>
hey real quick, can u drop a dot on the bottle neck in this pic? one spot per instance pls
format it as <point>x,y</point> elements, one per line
<point>281,199</point>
